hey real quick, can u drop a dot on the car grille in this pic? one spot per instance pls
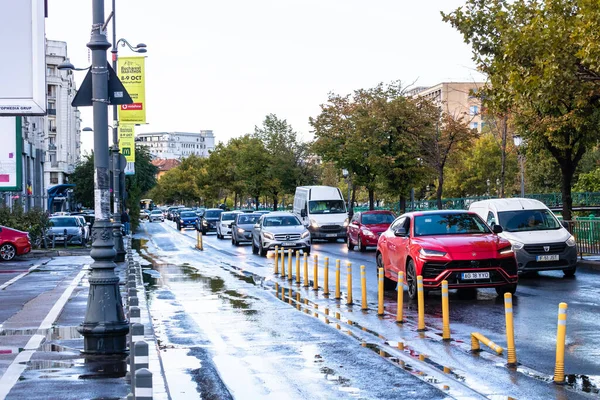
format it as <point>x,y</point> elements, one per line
<point>330,228</point>
<point>432,269</point>
<point>539,248</point>
<point>287,237</point>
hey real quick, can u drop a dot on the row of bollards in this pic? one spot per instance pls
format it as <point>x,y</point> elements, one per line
<point>476,338</point>
<point>139,359</point>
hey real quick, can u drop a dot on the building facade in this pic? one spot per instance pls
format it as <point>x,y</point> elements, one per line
<point>177,145</point>
<point>458,99</point>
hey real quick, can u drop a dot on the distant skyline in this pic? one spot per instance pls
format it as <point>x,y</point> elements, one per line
<point>224,66</point>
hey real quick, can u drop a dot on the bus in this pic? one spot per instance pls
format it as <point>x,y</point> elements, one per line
<point>147,204</point>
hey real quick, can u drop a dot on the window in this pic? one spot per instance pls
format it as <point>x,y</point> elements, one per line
<point>474,125</point>
<point>474,110</point>
<point>491,220</point>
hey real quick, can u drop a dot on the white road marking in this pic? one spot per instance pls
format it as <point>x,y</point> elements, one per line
<point>19,364</point>
<point>16,278</point>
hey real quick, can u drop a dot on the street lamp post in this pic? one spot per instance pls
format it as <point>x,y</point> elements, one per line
<point>518,140</point>
<point>117,195</point>
<point>104,328</point>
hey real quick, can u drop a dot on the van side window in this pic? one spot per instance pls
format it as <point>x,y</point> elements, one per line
<point>491,220</point>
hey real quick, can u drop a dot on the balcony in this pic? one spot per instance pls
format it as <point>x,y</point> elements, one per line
<point>51,146</point>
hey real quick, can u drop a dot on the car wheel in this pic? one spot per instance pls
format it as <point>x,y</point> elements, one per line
<point>411,279</point>
<point>388,284</point>
<point>361,247</point>
<point>349,243</point>
<point>263,252</point>
<point>254,248</point>
<point>7,252</point>
<point>506,289</point>
<point>569,272</point>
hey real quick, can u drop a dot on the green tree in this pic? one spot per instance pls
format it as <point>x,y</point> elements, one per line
<point>140,183</point>
<point>540,57</point>
<point>83,178</point>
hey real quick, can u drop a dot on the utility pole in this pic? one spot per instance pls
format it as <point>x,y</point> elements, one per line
<point>104,328</point>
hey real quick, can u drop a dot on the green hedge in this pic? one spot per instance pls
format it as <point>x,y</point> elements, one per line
<point>34,221</point>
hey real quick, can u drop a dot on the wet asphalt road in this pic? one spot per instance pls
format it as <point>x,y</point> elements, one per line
<point>536,305</point>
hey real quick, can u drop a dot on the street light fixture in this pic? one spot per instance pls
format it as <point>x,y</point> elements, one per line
<point>518,140</point>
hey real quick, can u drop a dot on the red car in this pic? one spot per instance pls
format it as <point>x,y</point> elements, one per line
<point>13,243</point>
<point>456,246</point>
<point>365,227</point>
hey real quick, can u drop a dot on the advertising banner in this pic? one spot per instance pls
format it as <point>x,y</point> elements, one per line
<point>127,146</point>
<point>10,155</point>
<point>131,73</point>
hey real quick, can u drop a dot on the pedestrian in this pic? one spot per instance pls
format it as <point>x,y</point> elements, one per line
<point>125,220</point>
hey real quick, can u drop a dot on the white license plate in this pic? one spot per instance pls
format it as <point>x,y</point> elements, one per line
<point>476,275</point>
<point>548,257</point>
<point>331,235</point>
<point>288,244</point>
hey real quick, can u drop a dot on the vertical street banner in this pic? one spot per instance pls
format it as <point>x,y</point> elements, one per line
<point>132,76</point>
<point>127,146</point>
<point>10,155</point>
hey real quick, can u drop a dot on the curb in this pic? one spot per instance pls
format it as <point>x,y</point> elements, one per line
<point>589,264</point>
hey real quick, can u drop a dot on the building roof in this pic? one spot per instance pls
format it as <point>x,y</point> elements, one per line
<point>166,164</point>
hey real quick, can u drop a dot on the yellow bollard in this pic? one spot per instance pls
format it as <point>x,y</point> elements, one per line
<point>478,337</point>
<point>326,277</point>
<point>316,273</point>
<point>349,283</point>
<point>290,297</point>
<point>363,288</point>
<point>510,331</point>
<point>297,267</point>
<point>199,244</point>
<point>283,263</point>
<point>282,293</point>
<point>421,304</point>
<point>306,284</point>
<point>380,293</point>
<point>290,276</point>
<point>338,315</point>
<point>445,312</point>
<point>338,295</point>
<point>561,333</point>
<point>400,299</point>
<point>400,346</point>
<point>298,306</point>
<point>276,265</point>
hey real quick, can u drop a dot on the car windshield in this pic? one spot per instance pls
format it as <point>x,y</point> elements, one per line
<point>187,214</point>
<point>212,213</point>
<point>449,224</point>
<point>527,220</point>
<point>372,219</point>
<point>326,207</point>
<point>227,217</point>
<point>283,220</point>
<point>63,221</point>
<point>247,219</point>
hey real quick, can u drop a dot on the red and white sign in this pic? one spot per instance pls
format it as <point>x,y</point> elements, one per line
<point>132,106</point>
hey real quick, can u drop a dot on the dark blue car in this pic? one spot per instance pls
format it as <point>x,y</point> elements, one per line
<point>187,219</point>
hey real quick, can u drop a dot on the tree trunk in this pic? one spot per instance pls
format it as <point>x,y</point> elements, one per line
<point>567,172</point>
<point>371,199</point>
<point>256,202</point>
<point>503,160</point>
<point>351,211</point>
<point>440,188</point>
<point>274,202</point>
<point>402,204</point>
<point>235,200</point>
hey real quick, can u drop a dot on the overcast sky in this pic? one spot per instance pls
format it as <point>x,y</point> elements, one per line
<point>224,65</point>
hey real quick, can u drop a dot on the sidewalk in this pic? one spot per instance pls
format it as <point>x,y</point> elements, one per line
<point>40,348</point>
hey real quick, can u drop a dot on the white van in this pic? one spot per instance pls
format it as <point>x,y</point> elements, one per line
<point>322,210</point>
<point>539,240</point>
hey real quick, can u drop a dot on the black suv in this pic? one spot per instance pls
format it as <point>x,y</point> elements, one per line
<point>209,220</point>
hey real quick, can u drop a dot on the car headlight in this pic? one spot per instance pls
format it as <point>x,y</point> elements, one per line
<point>204,223</point>
<point>268,235</point>
<point>571,241</point>
<point>240,230</point>
<point>516,245</point>
<point>367,232</point>
<point>181,221</point>
<point>431,253</point>
<point>314,223</point>
<point>346,223</point>
<point>506,250</point>
<point>305,234</point>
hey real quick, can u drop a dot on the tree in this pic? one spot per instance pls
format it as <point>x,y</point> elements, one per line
<point>83,178</point>
<point>540,58</point>
<point>138,184</point>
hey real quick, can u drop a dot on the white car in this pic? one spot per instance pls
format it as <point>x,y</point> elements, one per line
<point>86,227</point>
<point>224,223</point>
<point>156,215</point>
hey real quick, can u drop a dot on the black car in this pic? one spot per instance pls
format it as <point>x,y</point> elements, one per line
<point>209,220</point>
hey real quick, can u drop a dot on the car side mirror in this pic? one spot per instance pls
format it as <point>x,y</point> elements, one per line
<point>400,231</point>
<point>303,213</point>
<point>497,229</point>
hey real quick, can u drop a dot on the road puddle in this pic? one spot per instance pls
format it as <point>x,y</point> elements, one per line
<point>587,384</point>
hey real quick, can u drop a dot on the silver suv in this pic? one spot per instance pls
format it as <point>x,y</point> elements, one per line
<point>282,229</point>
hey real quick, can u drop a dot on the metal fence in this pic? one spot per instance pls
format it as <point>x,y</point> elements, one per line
<point>586,231</point>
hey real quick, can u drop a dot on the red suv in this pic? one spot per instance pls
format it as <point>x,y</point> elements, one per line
<point>13,243</point>
<point>365,227</point>
<point>456,246</point>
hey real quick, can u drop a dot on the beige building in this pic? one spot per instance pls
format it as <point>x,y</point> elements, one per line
<point>457,99</point>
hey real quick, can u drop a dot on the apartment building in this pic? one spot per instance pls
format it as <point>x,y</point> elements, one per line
<point>177,145</point>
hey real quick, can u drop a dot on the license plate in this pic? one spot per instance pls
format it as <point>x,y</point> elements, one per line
<point>476,275</point>
<point>59,238</point>
<point>288,244</point>
<point>548,257</point>
<point>331,235</point>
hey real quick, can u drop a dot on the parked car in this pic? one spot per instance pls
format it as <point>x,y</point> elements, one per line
<point>262,212</point>
<point>209,221</point>
<point>66,228</point>
<point>13,243</point>
<point>145,215</point>
<point>156,215</point>
<point>224,224</point>
<point>322,210</point>
<point>200,212</point>
<point>187,219</point>
<point>241,228</point>
<point>539,240</point>
<point>85,227</point>
<point>456,246</point>
<point>282,229</point>
<point>366,227</point>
